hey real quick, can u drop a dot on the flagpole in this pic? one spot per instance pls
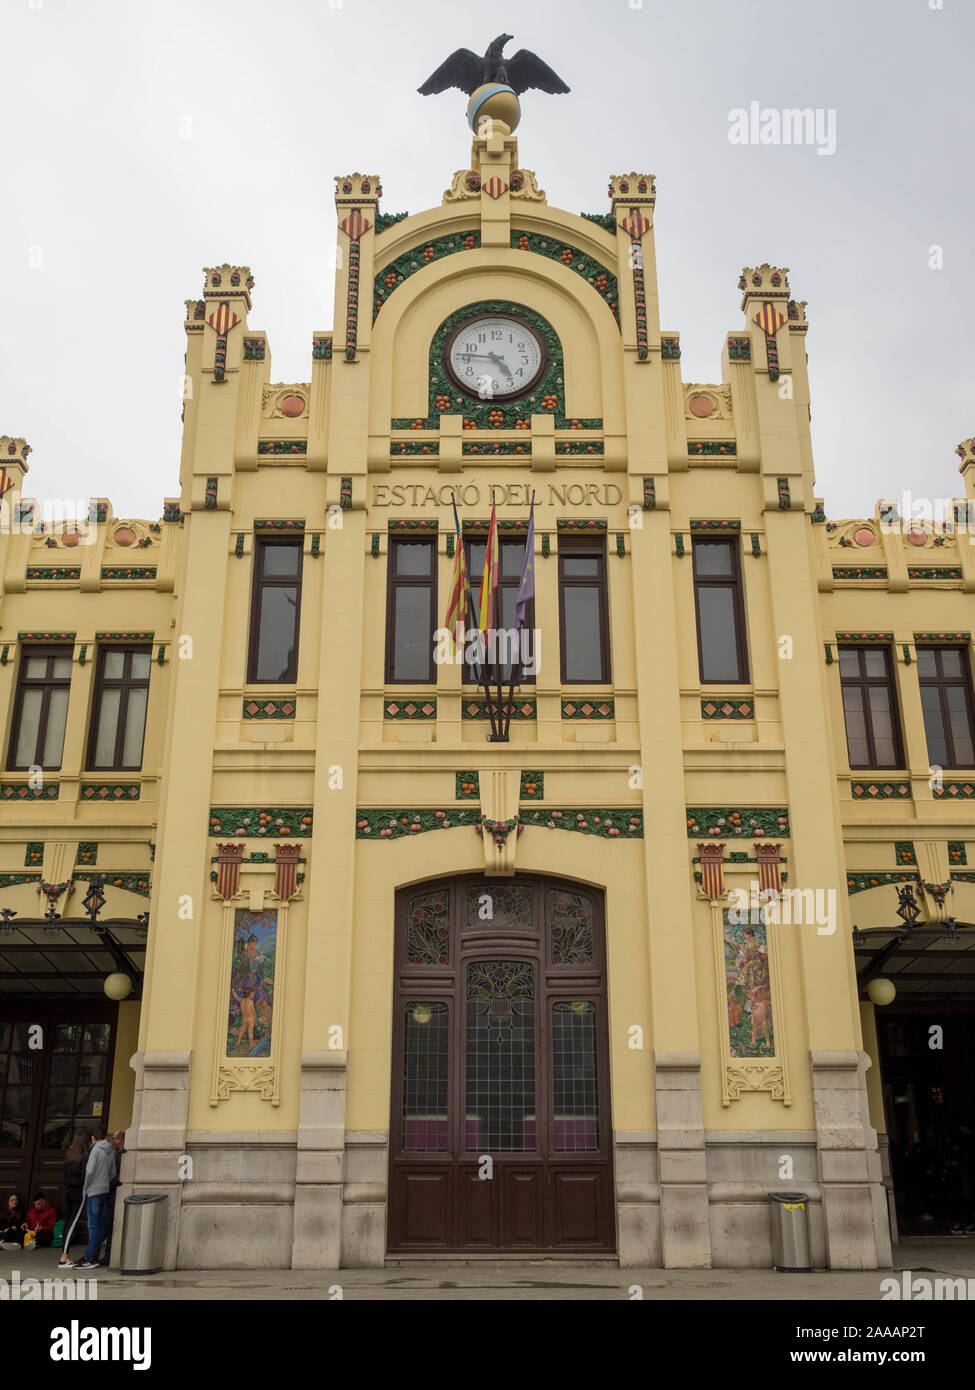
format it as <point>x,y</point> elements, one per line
<point>516,665</point>
<point>479,669</point>
<point>501,734</point>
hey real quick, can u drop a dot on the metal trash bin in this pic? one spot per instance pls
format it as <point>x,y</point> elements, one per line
<point>790,1232</point>
<point>144,1233</point>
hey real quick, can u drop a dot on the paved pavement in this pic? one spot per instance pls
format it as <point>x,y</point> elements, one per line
<point>483,1280</point>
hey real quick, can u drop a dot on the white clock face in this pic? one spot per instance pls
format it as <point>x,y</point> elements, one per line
<point>495,357</point>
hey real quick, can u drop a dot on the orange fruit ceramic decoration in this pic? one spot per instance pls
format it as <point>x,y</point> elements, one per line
<point>701,406</point>
<point>292,406</point>
<point>124,536</point>
<point>916,537</point>
<point>864,536</point>
<point>71,538</point>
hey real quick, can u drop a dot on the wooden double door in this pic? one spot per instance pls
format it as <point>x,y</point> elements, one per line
<point>500,1134</point>
<point>55,1077</point>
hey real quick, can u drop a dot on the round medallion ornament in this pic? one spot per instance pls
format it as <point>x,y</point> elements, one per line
<point>496,101</point>
<point>124,536</point>
<point>701,406</point>
<point>71,538</point>
<point>292,406</point>
<point>916,537</point>
<point>864,536</point>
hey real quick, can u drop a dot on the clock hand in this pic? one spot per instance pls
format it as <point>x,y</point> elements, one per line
<point>503,365</point>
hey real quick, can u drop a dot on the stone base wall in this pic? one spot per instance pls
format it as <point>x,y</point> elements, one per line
<point>316,1198</point>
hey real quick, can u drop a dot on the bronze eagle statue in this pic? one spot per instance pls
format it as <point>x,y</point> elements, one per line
<point>467,71</point>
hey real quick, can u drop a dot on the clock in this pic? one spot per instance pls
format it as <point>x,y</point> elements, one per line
<point>495,357</point>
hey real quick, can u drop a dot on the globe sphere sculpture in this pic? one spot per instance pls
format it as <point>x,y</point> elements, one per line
<point>496,102</point>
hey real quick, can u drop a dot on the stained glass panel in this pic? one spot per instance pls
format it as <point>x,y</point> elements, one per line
<point>428,929</point>
<point>500,1084</point>
<point>572,938</point>
<point>575,1120</point>
<point>491,904</point>
<point>426,1045</point>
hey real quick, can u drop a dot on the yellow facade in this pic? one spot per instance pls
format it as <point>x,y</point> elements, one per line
<point>290,1150</point>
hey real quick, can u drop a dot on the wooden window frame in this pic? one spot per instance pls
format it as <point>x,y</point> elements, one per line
<point>735,583</point>
<point>588,547</point>
<point>863,681</point>
<point>395,581</point>
<point>506,582</point>
<point>940,682</point>
<point>46,683</point>
<point>259,582</point>
<point>125,683</point>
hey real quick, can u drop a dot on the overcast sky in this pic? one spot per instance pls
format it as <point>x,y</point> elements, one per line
<point>144,139</point>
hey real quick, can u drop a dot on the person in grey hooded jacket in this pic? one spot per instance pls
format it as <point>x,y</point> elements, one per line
<point>99,1175</point>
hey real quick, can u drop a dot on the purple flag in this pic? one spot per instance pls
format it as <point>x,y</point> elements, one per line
<point>526,589</point>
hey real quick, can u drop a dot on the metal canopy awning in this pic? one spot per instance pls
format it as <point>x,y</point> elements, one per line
<point>923,959</point>
<point>54,955</point>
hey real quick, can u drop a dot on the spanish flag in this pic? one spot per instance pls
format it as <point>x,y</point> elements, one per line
<point>456,620</point>
<point>489,579</point>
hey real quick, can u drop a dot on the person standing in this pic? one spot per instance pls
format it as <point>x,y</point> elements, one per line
<point>98,1183</point>
<point>75,1162</point>
<point>118,1144</point>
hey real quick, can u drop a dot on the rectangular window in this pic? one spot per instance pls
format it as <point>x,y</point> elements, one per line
<point>720,602</point>
<point>583,611</point>
<point>946,699</point>
<point>40,708</point>
<point>118,724</point>
<point>870,707</point>
<point>275,613</point>
<point>411,611</point>
<point>511,561</point>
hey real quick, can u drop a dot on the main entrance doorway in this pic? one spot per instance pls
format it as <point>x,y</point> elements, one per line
<point>927,1058</point>
<point>500,1134</point>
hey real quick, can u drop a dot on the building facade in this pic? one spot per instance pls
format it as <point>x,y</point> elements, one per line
<point>406,988</point>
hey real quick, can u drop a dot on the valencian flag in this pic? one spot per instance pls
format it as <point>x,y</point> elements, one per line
<point>457,605</point>
<point>228,869</point>
<point>286,870</point>
<point>6,482</point>
<point>769,867</point>
<point>489,579</point>
<point>526,588</point>
<point>712,870</point>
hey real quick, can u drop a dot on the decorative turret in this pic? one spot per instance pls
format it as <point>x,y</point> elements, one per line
<point>358,188</point>
<point>13,464</point>
<point>763,282</point>
<point>765,301</point>
<point>965,451</point>
<point>226,288</point>
<point>357,205</point>
<point>632,190</point>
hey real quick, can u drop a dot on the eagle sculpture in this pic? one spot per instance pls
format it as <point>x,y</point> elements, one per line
<point>467,71</point>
